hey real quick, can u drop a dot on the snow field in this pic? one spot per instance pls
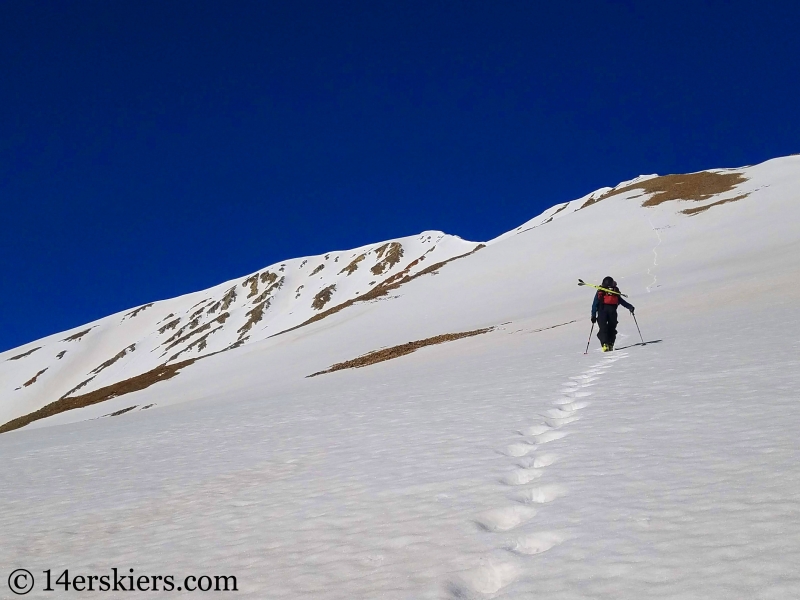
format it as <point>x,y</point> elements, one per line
<point>507,465</point>
<point>677,481</point>
<point>495,574</point>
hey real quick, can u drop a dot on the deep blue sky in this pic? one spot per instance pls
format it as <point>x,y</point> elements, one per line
<point>149,149</point>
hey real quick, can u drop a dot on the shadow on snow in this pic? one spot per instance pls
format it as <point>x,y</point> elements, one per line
<point>639,344</point>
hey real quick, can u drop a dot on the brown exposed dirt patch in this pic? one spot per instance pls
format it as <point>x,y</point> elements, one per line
<point>551,217</point>
<point>323,297</point>
<point>133,384</point>
<point>436,266</point>
<point>196,314</point>
<point>265,277</point>
<point>317,270</point>
<point>190,325</point>
<point>254,315</point>
<point>252,281</point>
<point>381,289</point>
<point>591,201</point>
<point>385,354</point>
<point>170,325</point>
<point>692,186</point>
<point>268,277</point>
<point>391,253</point>
<point>195,306</point>
<point>75,337</point>
<point>79,386</point>
<point>351,268</point>
<point>397,276</point>
<point>220,319</point>
<point>699,209</point>
<point>135,312</point>
<point>268,292</point>
<point>229,298</point>
<point>24,354</point>
<point>61,354</point>
<point>226,301</point>
<point>111,361</point>
<point>121,412</point>
<point>554,326</point>
<point>33,379</point>
<point>200,344</point>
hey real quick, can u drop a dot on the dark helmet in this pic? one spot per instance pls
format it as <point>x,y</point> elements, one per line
<point>609,282</point>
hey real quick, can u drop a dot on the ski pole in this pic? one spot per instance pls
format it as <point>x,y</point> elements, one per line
<point>637,326</point>
<point>590,338</point>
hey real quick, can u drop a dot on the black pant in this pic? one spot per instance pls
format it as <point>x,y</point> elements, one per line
<point>607,324</point>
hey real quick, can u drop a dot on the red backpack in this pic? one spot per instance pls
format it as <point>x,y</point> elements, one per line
<point>606,298</point>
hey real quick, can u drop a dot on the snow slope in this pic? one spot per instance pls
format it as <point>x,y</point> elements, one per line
<point>505,465</point>
<point>230,315</point>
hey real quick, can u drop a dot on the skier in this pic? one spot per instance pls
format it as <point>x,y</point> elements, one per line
<point>604,313</point>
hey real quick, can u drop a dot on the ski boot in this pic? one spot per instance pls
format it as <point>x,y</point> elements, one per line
<point>606,348</point>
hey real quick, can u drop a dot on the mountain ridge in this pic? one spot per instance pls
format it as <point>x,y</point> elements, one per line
<point>143,341</point>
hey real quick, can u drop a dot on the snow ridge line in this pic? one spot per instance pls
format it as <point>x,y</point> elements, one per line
<point>505,565</point>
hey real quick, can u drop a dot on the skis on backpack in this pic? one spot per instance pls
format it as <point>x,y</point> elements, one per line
<point>606,290</point>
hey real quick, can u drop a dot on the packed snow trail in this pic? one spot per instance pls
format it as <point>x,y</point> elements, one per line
<point>651,270</point>
<point>499,570</point>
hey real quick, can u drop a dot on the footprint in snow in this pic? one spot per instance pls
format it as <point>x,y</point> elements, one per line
<point>534,430</point>
<point>544,460</point>
<point>550,436</point>
<point>538,462</point>
<point>571,407</point>
<point>505,519</point>
<point>558,417</point>
<point>521,476</point>
<point>557,413</point>
<point>488,578</point>
<point>541,495</point>
<point>570,399</point>
<point>537,543</point>
<point>559,422</point>
<point>567,399</point>
<point>517,450</point>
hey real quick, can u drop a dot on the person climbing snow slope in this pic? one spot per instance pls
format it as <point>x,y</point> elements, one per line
<point>604,312</point>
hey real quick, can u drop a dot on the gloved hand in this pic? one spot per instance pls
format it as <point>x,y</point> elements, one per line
<point>594,320</point>
<point>633,308</point>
